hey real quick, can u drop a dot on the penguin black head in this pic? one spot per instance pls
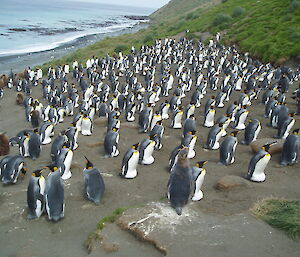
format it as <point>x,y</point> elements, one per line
<point>152,137</point>
<point>192,116</point>
<point>159,122</point>
<point>200,164</point>
<point>52,167</point>
<point>135,146</point>
<point>89,165</point>
<point>266,147</point>
<point>292,114</point>
<point>37,173</point>
<point>36,131</point>
<point>115,129</point>
<point>296,131</point>
<point>193,132</point>
<point>234,133</point>
<point>221,124</point>
<point>235,103</point>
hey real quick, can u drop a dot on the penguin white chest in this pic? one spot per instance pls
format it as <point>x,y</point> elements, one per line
<point>86,127</point>
<point>148,157</point>
<point>259,170</point>
<point>177,121</point>
<point>241,122</point>
<point>67,162</point>
<point>209,119</point>
<point>132,164</point>
<point>198,194</point>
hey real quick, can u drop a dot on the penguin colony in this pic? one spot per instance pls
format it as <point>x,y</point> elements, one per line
<point>162,84</point>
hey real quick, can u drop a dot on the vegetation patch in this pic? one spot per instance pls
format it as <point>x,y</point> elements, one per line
<point>96,236</point>
<point>280,213</point>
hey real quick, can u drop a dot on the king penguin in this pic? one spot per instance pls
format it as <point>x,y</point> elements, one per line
<point>227,149</point>
<point>130,162</point>
<point>13,168</point>
<point>46,131</point>
<point>258,163</point>
<point>251,132</point>
<point>93,183</point>
<point>64,161</point>
<point>55,195</point>
<point>36,194</point>
<point>179,184</point>
<point>111,141</point>
<point>146,150</point>
<point>213,137</point>
<point>198,174</point>
<point>86,125</point>
<point>290,149</point>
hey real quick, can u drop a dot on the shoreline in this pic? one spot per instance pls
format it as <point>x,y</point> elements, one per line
<point>18,62</point>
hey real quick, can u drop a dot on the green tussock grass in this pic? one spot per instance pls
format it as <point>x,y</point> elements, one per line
<point>96,236</point>
<point>280,213</point>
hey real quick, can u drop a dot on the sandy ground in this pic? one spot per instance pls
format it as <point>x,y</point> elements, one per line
<point>21,237</point>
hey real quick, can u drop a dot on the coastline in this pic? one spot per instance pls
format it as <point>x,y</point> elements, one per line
<point>18,62</point>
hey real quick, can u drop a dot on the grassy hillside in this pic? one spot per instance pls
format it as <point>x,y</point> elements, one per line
<point>268,29</point>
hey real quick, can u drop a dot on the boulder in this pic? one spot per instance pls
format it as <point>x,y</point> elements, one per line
<point>274,149</point>
<point>230,181</point>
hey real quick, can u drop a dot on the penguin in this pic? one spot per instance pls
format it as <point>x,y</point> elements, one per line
<point>174,156</point>
<point>157,134</point>
<point>35,118</point>
<point>198,174</point>
<point>13,168</point>
<point>77,121</point>
<point>46,131</point>
<point>3,163</point>
<point>34,145</point>
<point>36,195</point>
<point>4,144</point>
<point>176,119</point>
<point>19,99</point>
<point>232,110</point>
<point>130,162</point>
<point>190,110</point>
<point>213,137</point>
<point>57,145</point>
<point>209,117</point>
<point>55,195</point>
<point>290,149</point>
<point>93,183</point>
<point>86,125</point>
<point>145,118</point>
<point>189,125</point>
<point>220,98</point>
<point>258,163</point>
<point>24,145</point>
<point>146,150</point>
<point>251,132</point>
<point>130,112</point>
<point>227,149</point>
<point>72,136</point>
<point>64,161</point>
<point>103,110</point>
<point>285,127</point>
<point>164,110</point>
<point>189,140</point>
<point>179,184</point>
<point>111,141</point>
<point>240,118</point>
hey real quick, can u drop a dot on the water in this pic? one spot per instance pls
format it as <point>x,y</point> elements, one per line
<point>34,26</point>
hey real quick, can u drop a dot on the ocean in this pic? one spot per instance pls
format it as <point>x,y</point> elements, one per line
<point>30,27</point>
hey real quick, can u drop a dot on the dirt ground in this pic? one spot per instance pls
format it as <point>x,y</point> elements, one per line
<point>22,237</point>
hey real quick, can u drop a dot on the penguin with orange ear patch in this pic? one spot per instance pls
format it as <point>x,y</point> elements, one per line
<point>227,149</point>
<point>258,163</point>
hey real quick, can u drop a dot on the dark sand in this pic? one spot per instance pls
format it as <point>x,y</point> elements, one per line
<point>21,237</point>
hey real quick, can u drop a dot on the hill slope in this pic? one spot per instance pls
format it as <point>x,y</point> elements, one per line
<point>267,29</point>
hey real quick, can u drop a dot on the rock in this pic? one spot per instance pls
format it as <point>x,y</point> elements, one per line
<point>230,181</point>
<point>157,223</point>
<point>274,149</point>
